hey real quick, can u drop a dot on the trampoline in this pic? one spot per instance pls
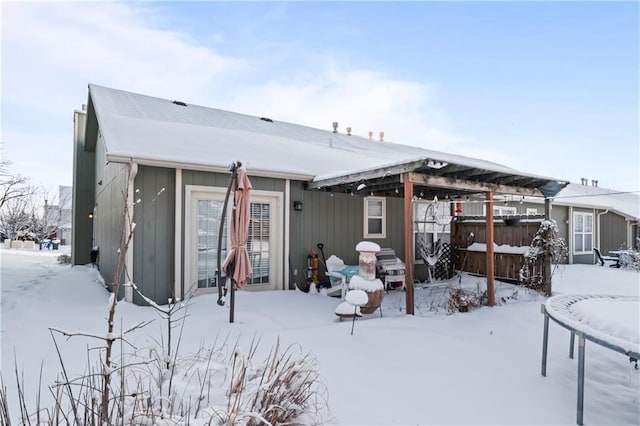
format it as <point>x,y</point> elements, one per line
<point>581,315</point>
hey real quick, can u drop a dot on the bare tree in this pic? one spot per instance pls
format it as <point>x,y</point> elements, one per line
<point>56,211</point>
<point>12,185</point>
<point>18,218</point>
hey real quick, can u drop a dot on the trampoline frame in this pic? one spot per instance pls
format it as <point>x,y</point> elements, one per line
<point>554,308</point>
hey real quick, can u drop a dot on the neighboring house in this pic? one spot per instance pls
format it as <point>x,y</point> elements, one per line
<point>57,217</point>
<point>587,216</point>
<point>310,186</point>
<point>597,217</point>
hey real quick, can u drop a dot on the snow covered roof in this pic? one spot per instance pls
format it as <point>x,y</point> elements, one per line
<point>624,203</point>
<point>161,131</point>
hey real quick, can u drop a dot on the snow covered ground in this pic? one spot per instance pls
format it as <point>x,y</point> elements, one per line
<point>480,367</point>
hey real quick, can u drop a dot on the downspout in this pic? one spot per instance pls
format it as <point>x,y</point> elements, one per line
<point>570,234</point>
<point>598,226</point>
<point>133,171</point>
<point>177,268</point>
<point>287,230</point>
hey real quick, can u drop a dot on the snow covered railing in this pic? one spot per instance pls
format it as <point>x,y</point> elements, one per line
<point>602,319</point>
<point>503,248</point>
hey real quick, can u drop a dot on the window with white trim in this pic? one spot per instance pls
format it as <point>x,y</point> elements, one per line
<point>375,225</point>
<point>532,211</point>
<point>582,233</point>
<point>501,211</point>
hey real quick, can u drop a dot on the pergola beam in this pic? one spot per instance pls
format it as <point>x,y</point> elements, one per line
<point>380,173</point>
<point>466,185</point>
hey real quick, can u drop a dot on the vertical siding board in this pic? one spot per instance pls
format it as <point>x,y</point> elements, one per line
<point>109,221</point>
<point>613,233</point>
<point>153,239</point>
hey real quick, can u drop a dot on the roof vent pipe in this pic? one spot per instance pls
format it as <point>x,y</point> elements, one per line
<point>594,182</point>
<point>84,107</point>
<point>381,136</point>
<point>370,136</point>
<point>335,127</point>
<point>348,131</point>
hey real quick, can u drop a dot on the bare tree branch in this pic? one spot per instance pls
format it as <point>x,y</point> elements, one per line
<point>12,185</point>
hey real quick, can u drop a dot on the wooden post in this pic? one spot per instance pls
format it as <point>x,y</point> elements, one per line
<point>453,232</point>
<point>408,242</point>
<point>547,256</point>
<point>491,292</point>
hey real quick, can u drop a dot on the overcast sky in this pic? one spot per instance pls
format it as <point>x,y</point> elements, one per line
<point>548,88</point>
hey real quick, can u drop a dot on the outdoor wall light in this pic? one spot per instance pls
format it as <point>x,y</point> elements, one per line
<point>90,215</point>
<point>361,186</point>
<point>297,205</point>
<point>435,164</point>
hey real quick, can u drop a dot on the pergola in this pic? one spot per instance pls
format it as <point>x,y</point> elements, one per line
<point>447,177</point>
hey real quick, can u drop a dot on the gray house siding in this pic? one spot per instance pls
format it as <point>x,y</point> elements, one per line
<point>153,240</point>
<point>560,214</point>
<point>338,223</point>
<point>110,218</point>
<point>613,232</point>
<point>83,194</point>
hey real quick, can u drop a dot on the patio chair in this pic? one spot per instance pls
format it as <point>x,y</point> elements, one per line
<point>390,269</point>
<point>339,275</point>
<point>602,259</point>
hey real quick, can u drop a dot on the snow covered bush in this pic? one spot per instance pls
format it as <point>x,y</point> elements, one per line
<point>546,244</point>
<point>631,259</point>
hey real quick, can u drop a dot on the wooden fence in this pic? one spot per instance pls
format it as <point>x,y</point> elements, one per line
<point>507,265</point>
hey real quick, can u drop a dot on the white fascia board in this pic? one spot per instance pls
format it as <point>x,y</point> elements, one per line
<point>117,158</point>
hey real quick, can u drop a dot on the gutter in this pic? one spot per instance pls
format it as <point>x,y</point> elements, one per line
<point>204,168</point>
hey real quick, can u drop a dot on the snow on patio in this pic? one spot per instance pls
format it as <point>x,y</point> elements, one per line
<point>480,367</point>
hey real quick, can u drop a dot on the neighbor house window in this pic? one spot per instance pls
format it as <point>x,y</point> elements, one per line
<point>582,233</point>
<point>531,211</point>
<point>374,217</point>
<point>500,211</point>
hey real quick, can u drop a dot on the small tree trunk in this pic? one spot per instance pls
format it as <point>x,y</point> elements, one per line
<point>125,240</point>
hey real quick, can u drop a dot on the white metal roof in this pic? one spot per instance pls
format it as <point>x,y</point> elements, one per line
<point>625,203</point>
<point>146,127</point>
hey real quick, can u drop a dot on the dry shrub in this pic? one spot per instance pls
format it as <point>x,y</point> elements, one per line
<point>209,387</point>
<point>460,300</point>
<point>285,389</point>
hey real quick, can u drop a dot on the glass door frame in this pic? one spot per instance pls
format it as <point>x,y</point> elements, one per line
<point>195,193</point>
